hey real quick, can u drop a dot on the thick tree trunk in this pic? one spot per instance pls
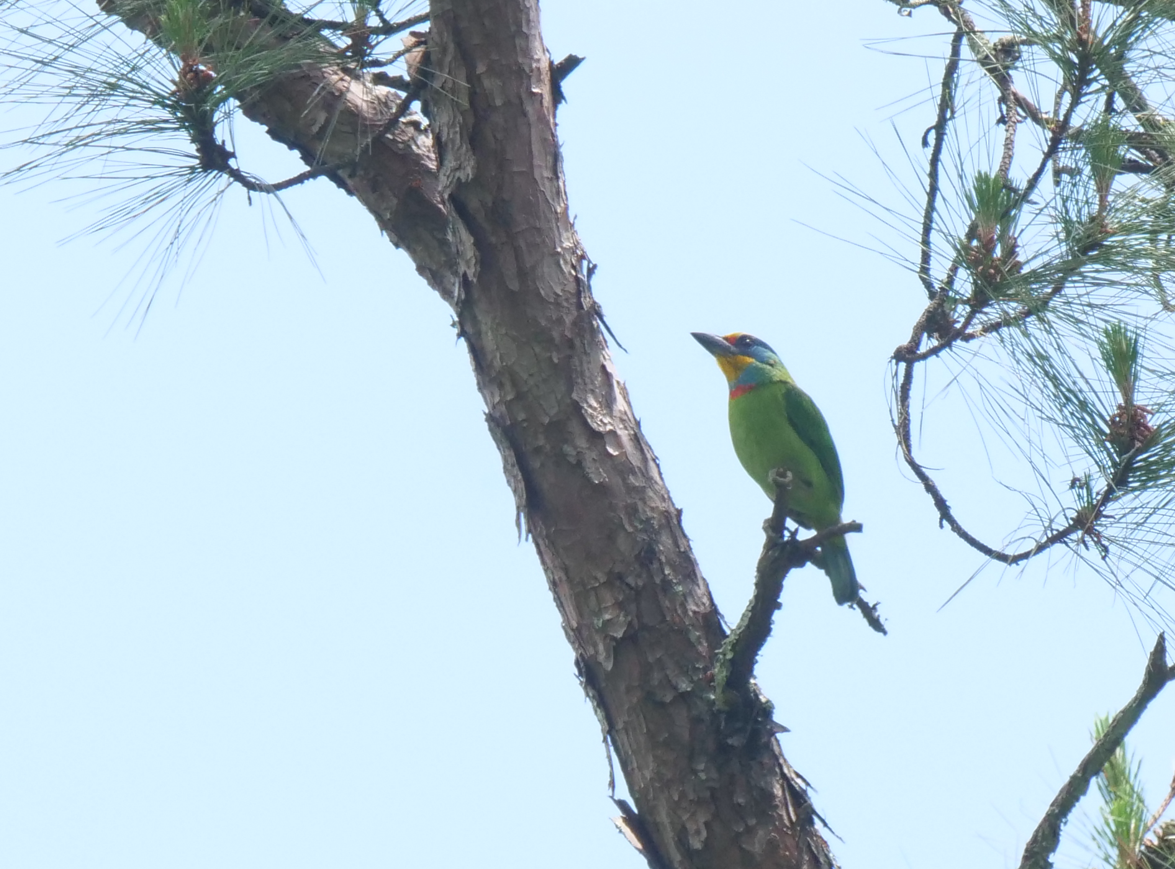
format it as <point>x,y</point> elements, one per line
<point>477,199</point>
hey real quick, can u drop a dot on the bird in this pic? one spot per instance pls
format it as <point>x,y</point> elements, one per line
<point>774,424</point>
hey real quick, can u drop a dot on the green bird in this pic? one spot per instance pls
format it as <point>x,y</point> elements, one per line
<point>774,424</point>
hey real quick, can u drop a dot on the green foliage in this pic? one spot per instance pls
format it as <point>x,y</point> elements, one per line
<point>1123,817</point>
<point>147,122</point>
<point>994,205</point>
<point>1120,351</point>
<point>111,93</point>
<point>1045,243</point>
<point>989,251</point>
<point>1105,146</point>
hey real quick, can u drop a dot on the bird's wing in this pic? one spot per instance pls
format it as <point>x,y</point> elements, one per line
<point>809,424</point>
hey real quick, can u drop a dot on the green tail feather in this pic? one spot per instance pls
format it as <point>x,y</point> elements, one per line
<point>839,567</point>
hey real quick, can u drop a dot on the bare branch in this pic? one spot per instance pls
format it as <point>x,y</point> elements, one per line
<point>735,662</point>
<point>1044,840</point>
<point>1082,524</point>
<point>946,99</point>
<point>872,617</point>
<point>935,321</point>
<point>1162,809</point>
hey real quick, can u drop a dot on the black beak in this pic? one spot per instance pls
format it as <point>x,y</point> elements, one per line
<point>717,345</point>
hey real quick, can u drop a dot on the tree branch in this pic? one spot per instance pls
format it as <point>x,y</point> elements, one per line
<point>945,109</point>
<point>1162,809</point>
<point>1083,524</point>
<point>331,117</point>
<point>477,199</point>
<point>386,27</point>
<point>936,321</point>
<point>735,662</point>
<point>1045,838</point>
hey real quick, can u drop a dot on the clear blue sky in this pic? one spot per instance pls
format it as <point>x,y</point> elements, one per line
<point>261,597</point>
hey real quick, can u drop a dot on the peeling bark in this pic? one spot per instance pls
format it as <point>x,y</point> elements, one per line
<point>476,197</point>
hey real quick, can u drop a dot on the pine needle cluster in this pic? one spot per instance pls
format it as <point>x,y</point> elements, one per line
<point>1045,248</point>
<point>138,99</point>
<point>1127,834</point>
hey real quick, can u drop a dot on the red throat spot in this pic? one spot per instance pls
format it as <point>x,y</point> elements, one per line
<point>739,391</point>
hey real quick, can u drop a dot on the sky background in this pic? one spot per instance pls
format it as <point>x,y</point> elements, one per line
<point>262,601</point>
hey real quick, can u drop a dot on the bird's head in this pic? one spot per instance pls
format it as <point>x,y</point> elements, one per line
<point>745,360</point>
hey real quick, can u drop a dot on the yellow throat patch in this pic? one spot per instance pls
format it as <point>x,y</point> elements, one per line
<point>732,366</point>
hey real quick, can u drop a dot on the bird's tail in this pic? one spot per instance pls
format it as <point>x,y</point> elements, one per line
<point>839,567</point>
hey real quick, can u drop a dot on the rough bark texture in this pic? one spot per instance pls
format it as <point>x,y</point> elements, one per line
<point>476,197</point>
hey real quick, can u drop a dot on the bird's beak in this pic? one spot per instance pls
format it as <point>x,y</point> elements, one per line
<point>717,345</point>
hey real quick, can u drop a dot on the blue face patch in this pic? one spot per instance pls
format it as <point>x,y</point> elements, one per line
<point>749,345</point>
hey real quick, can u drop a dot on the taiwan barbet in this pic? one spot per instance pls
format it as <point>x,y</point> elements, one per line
<point>774,424</point>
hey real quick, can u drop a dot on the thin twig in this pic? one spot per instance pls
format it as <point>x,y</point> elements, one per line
<point>872,617</point>
<point>934,310</point>
<point>397,56</point>
<point>940,502</point>
<point>1024,313</point>
<point>810,543</point>
<point>1039,850</point>
<point>1030,110</point>
<point>1162,809</point>
<point>391,28</point>
<point>1113,67</point>
<point>945,106</point>
<point>956,334</point>
<point>254,186</point>
<point>1137,167</point>
<point>934,319</point>
<point>1011,121</point>
<point>1079,524</point>
<point>384,28</point>
<point>1060,130</point>
<point>414,92</point>
<point>734,663</point>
